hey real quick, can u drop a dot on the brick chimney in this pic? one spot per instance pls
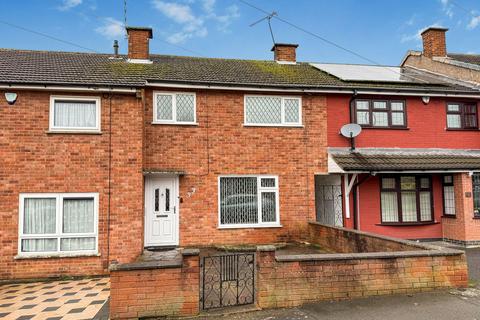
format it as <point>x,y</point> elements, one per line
<point>285,52</point>
<point>138,38</point>
<point>434,44</point>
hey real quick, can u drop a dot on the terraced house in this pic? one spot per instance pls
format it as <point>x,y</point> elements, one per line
<point>107,155</point>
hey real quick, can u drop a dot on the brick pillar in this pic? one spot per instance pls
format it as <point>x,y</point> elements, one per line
<point>464,228</point>
<point>266,277</point>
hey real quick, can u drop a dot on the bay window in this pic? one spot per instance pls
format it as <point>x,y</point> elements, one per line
<point>380,113</point>
<point>248,201</point>
<point>74,114</point>
<point>462,116</point>
<point>406,199</point>
<point>54,224</point>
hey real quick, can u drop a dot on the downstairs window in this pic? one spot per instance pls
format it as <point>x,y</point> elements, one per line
<point>248,201</point>
<point>406,199</point>
<point>476,194</point>
<point>58,223</point>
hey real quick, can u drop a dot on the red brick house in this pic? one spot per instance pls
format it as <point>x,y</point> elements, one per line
<point>104,155</point>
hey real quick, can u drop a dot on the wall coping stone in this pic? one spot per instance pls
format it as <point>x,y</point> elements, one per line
<point>190,252</point>
<point>382,237</point>
<point>146,265</point>
<point>265,248</point>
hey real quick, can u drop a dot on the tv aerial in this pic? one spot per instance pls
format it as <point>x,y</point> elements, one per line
<point>268,18</point>
<point>350,131</point>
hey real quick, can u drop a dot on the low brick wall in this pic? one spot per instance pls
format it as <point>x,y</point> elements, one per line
<point>156,289</point>
<point>350,241</point>
<point>402,267</point>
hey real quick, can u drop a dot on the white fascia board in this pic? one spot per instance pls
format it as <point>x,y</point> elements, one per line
<point>67,88</point>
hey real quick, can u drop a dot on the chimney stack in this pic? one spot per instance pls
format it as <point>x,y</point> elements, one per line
<point>434,44</point>
<point>115,48</point>
<point>138,38</point>
<point>285,52</point>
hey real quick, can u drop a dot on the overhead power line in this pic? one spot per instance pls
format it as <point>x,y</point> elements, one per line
<point>330,42</point>
<point>47,36</point>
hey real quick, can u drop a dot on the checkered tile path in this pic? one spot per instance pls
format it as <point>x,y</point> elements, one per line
<point>72,299</point>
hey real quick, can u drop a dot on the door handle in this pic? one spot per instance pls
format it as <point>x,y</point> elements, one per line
<point>174,209</point>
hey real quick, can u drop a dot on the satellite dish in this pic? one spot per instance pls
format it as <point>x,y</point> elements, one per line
<point>350,130</point>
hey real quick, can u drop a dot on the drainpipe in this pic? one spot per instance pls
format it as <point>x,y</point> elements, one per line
<point>354,189</point>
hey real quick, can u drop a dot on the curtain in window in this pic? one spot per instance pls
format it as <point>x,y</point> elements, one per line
<point>76,244</point>
<point>476,193</point>
<point>39,216</point>
<point>238,200</point>
<point>449,200</point>
<point>75,114</point>
<point>39,245</point>
<point>425,206</point>
<point>266,110</point>
<point>78,216</point>
<point>453,121</point>
<point>409,206</point>
<point>389,206</point>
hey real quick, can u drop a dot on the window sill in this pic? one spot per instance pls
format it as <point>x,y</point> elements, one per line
<point>250,226</point>
<point>274,125</point>
<point>449,216</point>
<point>73,132</point>
<point>405,224</point>
<point>460,129</point>
<point>193,124</point>
<point>385,128</point>
<point>23,256</point>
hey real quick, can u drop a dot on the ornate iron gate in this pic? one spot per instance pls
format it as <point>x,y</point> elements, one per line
<point>227,280</point>
<point>329,205</point>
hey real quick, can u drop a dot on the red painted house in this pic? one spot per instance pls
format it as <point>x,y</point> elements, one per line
<point>104,156</point>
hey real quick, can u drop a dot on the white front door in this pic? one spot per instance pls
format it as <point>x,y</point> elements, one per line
<point>161,211</point>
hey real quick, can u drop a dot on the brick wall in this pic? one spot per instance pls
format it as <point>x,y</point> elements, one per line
<point>285,52</point>
<point>138,44</point>
<point>293,283</point>
<point>221,145</point>
<point>463,228</point>
<point>346,241</point>
<point>35,161</point>
<point>156,292</point>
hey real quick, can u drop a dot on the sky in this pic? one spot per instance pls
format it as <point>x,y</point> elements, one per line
<point>379,31</point>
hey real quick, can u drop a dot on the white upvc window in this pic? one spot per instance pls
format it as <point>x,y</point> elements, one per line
<point>75,114</point>
<point>174,108</point>
<point>58,224</point>
<point>248,201</point>
<point>272,111</point>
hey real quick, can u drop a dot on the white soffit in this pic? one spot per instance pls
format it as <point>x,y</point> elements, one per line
<point>355,72</point>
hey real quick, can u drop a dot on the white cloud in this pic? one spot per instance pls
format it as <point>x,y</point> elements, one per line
<point>111,28</point>
<point>447,8</point>
<point>69,4</point>
<point>474,22</point>
<point>417,36</point>
<point>194,24</point>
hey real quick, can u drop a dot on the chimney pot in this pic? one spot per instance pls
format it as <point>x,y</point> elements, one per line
<point>138,39</point>
<point>285,52</point>
<point>115,48</point>
<point>434,43</point>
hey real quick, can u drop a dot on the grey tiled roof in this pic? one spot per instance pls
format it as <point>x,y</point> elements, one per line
<point>73,68</point>
<point>466,58</point>
<point>393,159</point>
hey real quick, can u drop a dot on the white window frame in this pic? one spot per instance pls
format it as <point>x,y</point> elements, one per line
<point>96,129</point>
<point>260,189</point>
<point>174,108</point>
<point>58,235</point>
<point>282,123</point>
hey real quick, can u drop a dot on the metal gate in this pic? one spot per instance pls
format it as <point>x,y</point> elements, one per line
<point>329,205</point>
<point>227,280</point>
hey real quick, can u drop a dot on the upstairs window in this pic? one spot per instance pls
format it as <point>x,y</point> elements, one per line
<point>74,114</point>
<point>174,108</point>
<point>273,111</point>
<point>380,113</point>
<point>462,116</point>
<point>248,201</point>
<point>406,199</point>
